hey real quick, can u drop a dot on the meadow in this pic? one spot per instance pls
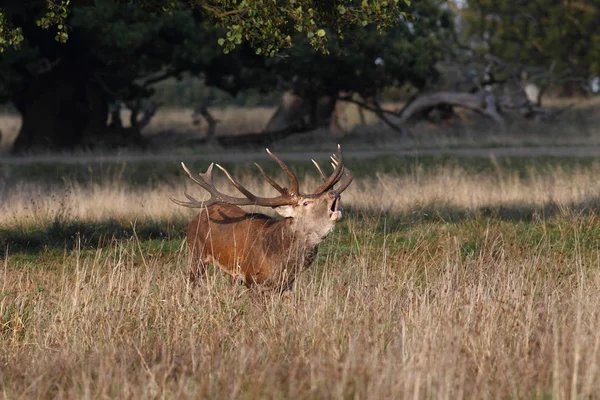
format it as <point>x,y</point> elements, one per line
<point>449,277</point>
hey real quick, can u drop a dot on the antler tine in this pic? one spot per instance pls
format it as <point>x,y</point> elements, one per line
<point>205,182</point>
<point>319,169</point>
<point>334,162</point>
<point>346,180</point>
<point>335,175</point>
<point>206,177</point>
<point>285,198</point>
<point>237,185</point>
<point>193,203</point>
<point>271,181</point>
<point>295,189</point>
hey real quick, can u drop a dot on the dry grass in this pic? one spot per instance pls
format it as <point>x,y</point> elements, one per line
<point>232,120</point>
<point>444,187</point>
<point>480,307</point>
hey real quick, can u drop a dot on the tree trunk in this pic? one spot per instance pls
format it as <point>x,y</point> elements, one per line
<point>210,120</point>
<point>54,110</point>
<point>290,115</point>
<point>300,114</point>
<point>482,102</point>
<point>335,124</point>
<point>65,108</point>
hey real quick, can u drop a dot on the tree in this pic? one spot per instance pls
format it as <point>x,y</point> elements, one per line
<point>405,55</point>
<point>63,90</point>
<point>109,50</point>
<point>501,47</point>
<point>555,41</point>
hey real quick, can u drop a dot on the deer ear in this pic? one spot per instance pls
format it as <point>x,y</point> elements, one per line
<point>285,211</point>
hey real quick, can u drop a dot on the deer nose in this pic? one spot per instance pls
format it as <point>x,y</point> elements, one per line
<point>334,195</point>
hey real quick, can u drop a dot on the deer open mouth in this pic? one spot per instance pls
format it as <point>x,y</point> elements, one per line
<point>334,213</point>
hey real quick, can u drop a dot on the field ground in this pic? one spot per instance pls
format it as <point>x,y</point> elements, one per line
<point>449,277</point>
<point>467,265</point>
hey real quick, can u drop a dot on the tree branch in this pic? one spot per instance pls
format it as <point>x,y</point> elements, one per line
<point>366,106</point>
<point>161,77</point>
<point>381,113</point>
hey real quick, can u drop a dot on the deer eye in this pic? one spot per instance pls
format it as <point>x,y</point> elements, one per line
<point>306,203</point>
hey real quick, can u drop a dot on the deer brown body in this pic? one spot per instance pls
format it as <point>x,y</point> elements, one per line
<point>256,248</point>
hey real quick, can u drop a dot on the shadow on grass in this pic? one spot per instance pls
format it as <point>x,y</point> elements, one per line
<point>69,234</point>
<point>439,213</point>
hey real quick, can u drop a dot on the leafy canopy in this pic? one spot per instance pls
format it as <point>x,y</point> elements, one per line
<point>267,25</point>
<point>406,54</point>
<point>565,34</point>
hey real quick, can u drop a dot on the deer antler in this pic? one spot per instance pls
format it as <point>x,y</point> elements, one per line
<point>337,162</point>
<point>295,189</point>
<point>319,169</point>
<point>206,182</point>
<point>345,180</point>
<point>271,181</point>
<point>287,197</point>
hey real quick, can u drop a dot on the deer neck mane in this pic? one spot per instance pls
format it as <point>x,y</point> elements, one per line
<point>300,235</point>
<point>300,248</point>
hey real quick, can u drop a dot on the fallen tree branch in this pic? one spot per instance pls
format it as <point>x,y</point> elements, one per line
<point>483,102</point>
<point>378,110</point>
<point>366,106</point>
<point>161,77</point>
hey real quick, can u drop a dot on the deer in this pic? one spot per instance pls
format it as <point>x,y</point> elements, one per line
<point>254,248</point>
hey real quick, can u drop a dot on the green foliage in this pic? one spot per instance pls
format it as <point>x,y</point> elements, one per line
<point>9,37</point>
<point>267,25</point>
<point>136,47</point>
<point>56,16</point>
<point>539,33</point>
<point>370,60</point>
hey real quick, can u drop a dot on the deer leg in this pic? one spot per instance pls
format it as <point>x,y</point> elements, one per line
<point>197,269</point>
<point>197,266</point>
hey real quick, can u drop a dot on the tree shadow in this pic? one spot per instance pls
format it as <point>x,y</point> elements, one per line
<point>86,235</point>
<point>60,235</point>
<point>442,213</point>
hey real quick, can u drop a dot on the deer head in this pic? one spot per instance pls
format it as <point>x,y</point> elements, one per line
<point>255,247</point>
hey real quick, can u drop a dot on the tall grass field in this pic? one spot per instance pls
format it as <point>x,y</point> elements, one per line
<point>447,278</point>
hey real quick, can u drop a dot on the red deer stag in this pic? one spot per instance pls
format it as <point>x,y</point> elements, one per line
<point>257,248</point>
